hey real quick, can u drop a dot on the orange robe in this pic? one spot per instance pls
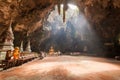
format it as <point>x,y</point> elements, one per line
<point>16,54</point>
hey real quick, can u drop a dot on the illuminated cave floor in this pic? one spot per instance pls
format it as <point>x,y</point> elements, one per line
<point>65,68</point>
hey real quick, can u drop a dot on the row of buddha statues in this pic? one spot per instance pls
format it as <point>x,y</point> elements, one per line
<point>15,54</point>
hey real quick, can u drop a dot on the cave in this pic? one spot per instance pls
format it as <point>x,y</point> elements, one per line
<point>93,24</point>
<point>83,29</point>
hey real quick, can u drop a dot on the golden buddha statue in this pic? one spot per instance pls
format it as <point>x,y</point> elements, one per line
<point>51,51</point>
<point>16,53</point>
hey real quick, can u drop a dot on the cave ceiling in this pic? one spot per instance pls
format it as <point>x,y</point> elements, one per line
<point>29,15</point>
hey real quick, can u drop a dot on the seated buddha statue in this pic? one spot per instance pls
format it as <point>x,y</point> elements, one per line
<point>51,51</point>
<point>16,53</point>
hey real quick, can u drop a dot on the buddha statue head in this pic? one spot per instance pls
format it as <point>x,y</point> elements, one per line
<point>16,48</point>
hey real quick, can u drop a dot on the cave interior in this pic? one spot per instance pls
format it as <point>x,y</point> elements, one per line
<point>86,26</point>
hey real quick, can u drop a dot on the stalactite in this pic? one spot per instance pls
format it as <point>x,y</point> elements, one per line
<point>64,13</point>
<point>65,7</point>
<point>58,5</point>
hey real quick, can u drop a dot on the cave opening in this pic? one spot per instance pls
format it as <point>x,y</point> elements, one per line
<point>73,35</point>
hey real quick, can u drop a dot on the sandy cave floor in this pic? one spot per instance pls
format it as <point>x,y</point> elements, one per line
<point>65,68</point>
